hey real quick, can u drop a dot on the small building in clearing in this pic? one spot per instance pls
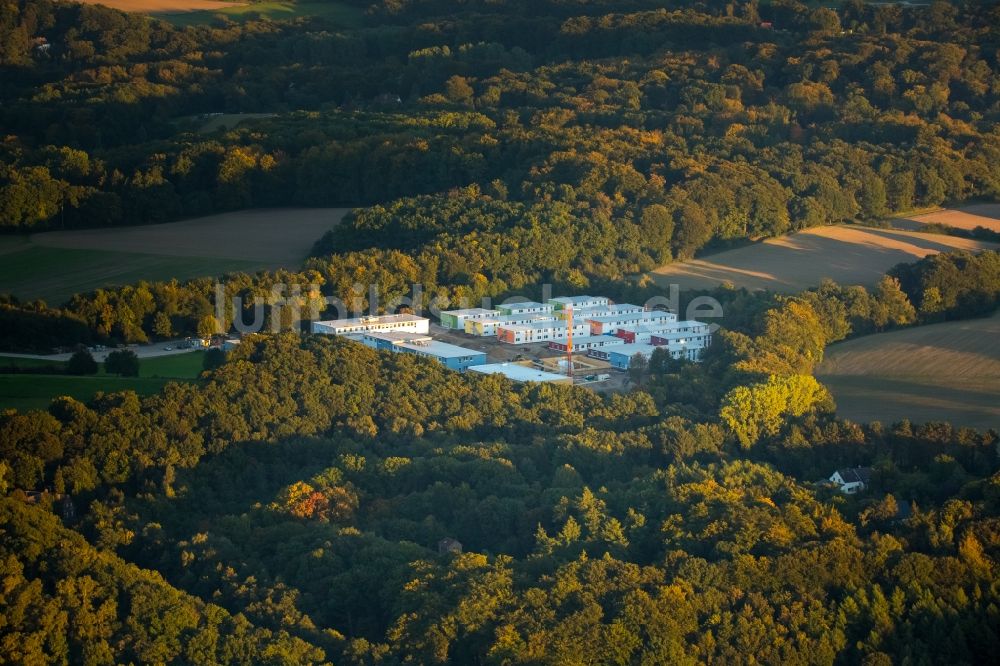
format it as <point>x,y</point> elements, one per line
<point>852,480</point>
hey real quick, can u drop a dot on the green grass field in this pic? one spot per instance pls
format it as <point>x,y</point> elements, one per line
<point>24,392</point>
<point>180,366</point>
<point>14,362</point>
<point>342,15</point>
<point>53,274</point>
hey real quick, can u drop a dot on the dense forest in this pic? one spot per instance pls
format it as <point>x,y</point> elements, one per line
<point>578,143</point>
<point>742,121</point>
<point>289,508</point>
<point>295,505</point>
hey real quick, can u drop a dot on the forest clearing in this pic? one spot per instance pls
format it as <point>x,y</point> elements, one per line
<point>26,390</point>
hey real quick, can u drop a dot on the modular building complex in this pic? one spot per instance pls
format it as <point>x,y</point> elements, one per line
<point>403,333</point>
<point>609,324</point>
<point>451,356</point>
<point>578,302</point>
<point>601,311</point>
<point>360,325</point>
<point>525,308</point>
<point>591,325</point>
<point>585,343</point>
<point>491,327</point>
<point>539,331</point>
<point>690,332</point>
<point>620,356</point>
<point>455,319</point>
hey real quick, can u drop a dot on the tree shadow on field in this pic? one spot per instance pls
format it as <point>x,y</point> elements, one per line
<point>920,241</point>
<point>863,398</point>
<point>804,259</point>
<point>946,336</point>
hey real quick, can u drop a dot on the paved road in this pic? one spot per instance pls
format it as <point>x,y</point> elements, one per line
<point>142,351</point>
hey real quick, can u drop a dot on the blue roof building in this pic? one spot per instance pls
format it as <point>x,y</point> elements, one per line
<point>452,356</point>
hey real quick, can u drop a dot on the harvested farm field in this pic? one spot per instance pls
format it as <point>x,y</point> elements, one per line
<point>54,265</point>
<point>985,215</point>
<point>941,372</point>
<point>847,254</point>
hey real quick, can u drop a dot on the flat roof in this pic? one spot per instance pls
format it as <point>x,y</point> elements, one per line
<point>470,311</point>
<point>518,373</point>
<point>612,307</point>
<point>632,348</point>
<point>646,315</point>
<point>576,299</point>
<point>677,346</point>
<point>400,318</point>
<point>590,339</point>
<point>539,325</point>
<point>592,311</point>
<point>396,336</point>
<point>668,327</point>
<point>525,304</point>
<point>507,319</point>
<point>440,349</point>
<point>688,323</point>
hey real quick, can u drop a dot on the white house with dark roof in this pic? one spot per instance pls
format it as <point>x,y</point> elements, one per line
<point>852,480</point>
